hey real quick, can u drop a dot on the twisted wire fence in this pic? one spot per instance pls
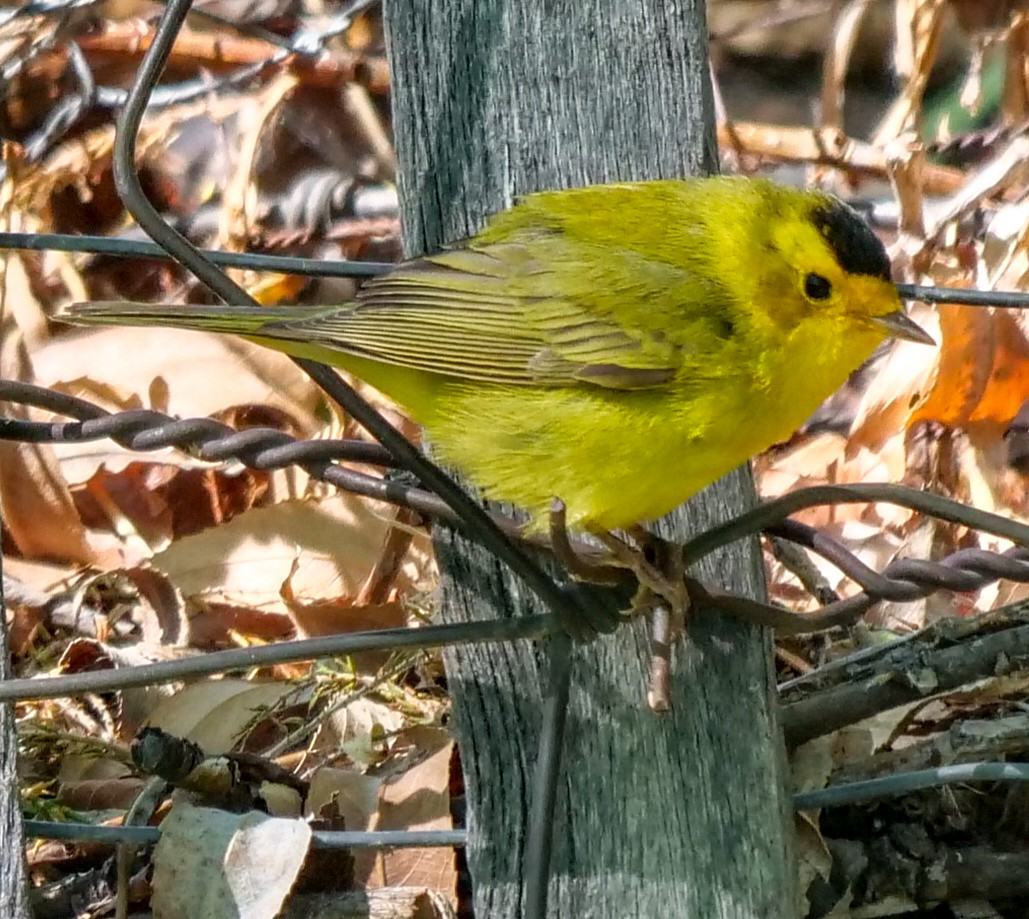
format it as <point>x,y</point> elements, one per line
<point>575,612</point>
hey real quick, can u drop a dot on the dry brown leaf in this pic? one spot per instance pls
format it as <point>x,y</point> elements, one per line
<point>37,507</point>
<point>205,374</point>
<point>812,763</point>
<point>813,858</point>
<point>217,625</point>
<point>1007,386</point>
<point>38,510</point>
<point>129,504</point>
<point>965,358</point>
<point>101,794</point>
<point>356,728</point>
<point>29,316</point>
<point>335,617</point>
<point>78,767</point>
<point>979,376</point>
<point>418,799</point>
<point>356,795</point>
<point>162,616</point>
<point>44,578</point>
<point>146,505</point>
<point>332,544</point>
<point>215,713</point>
<point>341,615</point>
<point>1009,592</point>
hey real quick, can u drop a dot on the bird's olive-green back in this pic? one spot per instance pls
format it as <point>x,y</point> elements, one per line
<point>617,286</point>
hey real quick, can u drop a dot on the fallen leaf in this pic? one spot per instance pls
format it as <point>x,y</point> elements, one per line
<point>203,373</point>
<point>356,794</point>
<point>214,713</point>
<point>36,505</point>
<point>417,799</point>
<point>210,864</point>
<point>332,543</point>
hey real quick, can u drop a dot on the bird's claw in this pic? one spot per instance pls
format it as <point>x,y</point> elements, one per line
<point>662,595</point>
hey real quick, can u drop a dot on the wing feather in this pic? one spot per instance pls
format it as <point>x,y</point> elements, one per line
<point>491,314</point>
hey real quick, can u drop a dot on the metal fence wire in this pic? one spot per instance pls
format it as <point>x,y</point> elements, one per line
<point>573,614</point>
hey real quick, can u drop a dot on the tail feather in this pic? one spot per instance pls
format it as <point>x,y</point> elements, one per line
<point>236,320</point>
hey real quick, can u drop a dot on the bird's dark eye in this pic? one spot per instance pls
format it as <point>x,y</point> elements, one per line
<point>816,287</point>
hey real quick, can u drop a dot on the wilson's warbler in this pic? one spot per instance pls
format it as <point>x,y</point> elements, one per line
<point>616,346</point>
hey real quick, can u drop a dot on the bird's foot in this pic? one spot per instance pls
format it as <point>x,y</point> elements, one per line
<point>657,565</point>
<point>662,596</point>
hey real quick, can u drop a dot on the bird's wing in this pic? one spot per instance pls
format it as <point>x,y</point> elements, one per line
<point>496,314</point>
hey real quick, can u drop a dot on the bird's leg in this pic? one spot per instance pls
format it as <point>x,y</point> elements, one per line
<point>575,563</point>
<point>662,596</point>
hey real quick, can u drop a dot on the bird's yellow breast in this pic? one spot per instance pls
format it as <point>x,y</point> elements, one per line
<point>616,459</point>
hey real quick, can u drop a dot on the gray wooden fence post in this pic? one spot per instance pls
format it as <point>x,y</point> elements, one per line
<point>683,815</point>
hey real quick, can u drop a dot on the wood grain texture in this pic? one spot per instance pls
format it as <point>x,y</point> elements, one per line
<point>13,881</point>
<point>683,815</point>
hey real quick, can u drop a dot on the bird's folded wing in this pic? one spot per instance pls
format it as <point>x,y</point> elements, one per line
<point>496,316</point>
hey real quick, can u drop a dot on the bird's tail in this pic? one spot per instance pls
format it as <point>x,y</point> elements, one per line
<point>236,320</point>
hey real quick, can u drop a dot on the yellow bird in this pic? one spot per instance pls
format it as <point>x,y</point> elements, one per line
<point>618,346</point>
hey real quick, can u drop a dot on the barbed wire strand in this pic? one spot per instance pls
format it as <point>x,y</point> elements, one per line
<point>264,448</point>
<point>260,448</point>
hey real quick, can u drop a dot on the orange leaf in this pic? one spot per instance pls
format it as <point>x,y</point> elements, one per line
<point>1008,386</point>
<point>966,359</point>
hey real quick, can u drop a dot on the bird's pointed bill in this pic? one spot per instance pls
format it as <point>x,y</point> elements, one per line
<point>899,326</point>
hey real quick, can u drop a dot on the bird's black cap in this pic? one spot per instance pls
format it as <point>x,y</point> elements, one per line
<point>856,247</point>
